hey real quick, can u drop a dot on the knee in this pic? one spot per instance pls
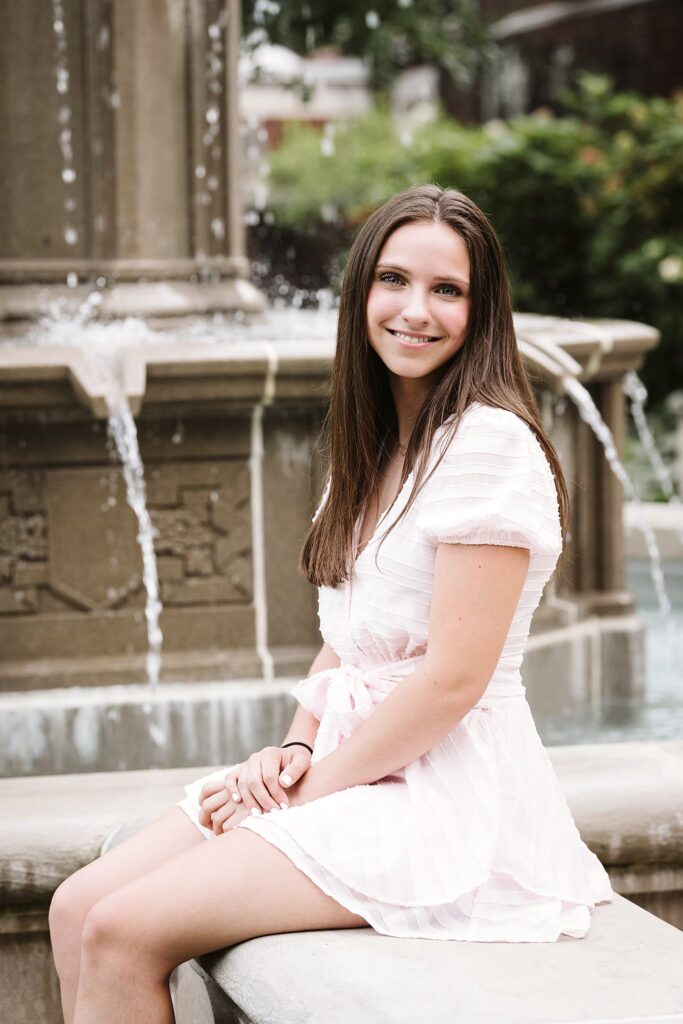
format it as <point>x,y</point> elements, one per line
<point>68,909</point>
<point>114,945</point>
<point>105,931</point>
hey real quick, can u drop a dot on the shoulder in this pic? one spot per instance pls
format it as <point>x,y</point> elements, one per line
<point>490,482</point>
<point>487,430</point>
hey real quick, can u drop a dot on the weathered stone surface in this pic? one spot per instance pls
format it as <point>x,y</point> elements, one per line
<point>624,970</point>
<point>626,798</point>
<point>71,574</point>
<point>93,555</point>
<point>18,602</point>
<point>28,981</point>
<point>630,799</point>
<point>137,82</point>
<point>208,643</point>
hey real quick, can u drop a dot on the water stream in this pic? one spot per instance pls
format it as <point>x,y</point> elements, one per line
<point>64,119</point>
<point>104,343</point>
<point>637,394</point>
<point>123,432</point>
<point>589,413</point>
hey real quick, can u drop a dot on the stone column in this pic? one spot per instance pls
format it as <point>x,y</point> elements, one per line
<point>120,154</point>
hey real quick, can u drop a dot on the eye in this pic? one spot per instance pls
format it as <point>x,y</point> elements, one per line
<point>389,277</point>
<point>449,290</point>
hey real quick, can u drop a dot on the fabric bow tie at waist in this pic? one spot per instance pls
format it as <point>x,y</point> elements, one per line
<point>343,698</point>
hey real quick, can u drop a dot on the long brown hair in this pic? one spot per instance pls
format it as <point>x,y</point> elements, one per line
<point>361,426</point>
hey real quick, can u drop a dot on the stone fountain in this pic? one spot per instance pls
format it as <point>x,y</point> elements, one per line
<point>121,220</point>
<point>124,290</point>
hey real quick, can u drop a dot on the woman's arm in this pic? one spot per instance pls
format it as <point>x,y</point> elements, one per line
<point>476,592</point>
<point>305,725</point>
<point>257,782</point>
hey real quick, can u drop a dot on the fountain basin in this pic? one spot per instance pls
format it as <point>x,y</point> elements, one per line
<point>227,415</point>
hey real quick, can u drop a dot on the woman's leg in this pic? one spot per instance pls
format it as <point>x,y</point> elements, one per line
<point>169,836</point>
<point>214,895</point>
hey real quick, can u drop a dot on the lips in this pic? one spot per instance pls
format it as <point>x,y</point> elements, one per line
<point>414,339</point>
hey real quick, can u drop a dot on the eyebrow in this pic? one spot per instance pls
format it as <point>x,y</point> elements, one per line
<point>443,278</point>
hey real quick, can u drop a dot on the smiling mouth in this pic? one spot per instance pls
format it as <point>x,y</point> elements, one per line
<point>414,339</point>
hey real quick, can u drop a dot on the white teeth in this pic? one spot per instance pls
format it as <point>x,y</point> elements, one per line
<point>411,340</point>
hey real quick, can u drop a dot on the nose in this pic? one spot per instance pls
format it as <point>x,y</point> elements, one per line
<point>416,309</point>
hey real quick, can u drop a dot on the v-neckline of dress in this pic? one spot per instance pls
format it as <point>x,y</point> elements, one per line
<point>380,519</point>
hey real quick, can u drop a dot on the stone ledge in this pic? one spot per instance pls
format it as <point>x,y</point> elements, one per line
<point>625,970</point>
<point>627,800</point>
<point>52,825</point>
<point>665,519</point>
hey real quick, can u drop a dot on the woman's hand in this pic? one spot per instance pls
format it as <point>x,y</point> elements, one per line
<point>257,785</point>
<point>218,811</point>
<point>261,782</point>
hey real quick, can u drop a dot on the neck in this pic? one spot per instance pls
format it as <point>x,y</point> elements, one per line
<point>409,396</point>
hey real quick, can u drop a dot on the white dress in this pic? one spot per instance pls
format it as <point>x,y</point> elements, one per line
<point>474,840</point>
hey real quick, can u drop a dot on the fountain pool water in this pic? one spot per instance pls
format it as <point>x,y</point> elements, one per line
<point>657,713</point>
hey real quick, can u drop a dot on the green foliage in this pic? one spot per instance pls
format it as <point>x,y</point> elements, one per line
<point>388,34</point>
<point>588,206</point>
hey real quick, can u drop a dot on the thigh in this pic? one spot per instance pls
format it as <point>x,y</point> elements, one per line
<point>225,891</point>
<point>167,837</point>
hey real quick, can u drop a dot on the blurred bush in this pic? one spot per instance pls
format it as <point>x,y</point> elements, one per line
<point>588,205</point>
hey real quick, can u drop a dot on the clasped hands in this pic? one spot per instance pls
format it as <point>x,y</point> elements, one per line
<point>263,782</point>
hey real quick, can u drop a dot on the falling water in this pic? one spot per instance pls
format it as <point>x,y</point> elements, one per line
<point>105,345</point>
<point>64,117</point>
<point>589,414</point>
<point>212,115</point>
<point>637,393</point>
<point>122,431</point>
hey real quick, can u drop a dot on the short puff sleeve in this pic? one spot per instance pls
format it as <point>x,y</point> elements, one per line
<point>493,485</point>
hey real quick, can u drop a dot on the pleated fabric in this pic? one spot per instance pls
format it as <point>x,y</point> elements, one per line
<point>474,840</point>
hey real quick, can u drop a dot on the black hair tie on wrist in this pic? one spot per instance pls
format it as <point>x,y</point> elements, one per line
<point>298,743</point>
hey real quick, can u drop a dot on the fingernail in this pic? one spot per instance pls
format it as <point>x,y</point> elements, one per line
<point>286,780</point>
<point>236,797</point>
<point>255,811</point>
<point>283,806</point>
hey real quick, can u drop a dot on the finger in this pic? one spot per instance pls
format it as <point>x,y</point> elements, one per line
<point>211,804</point>
<point>222,815</point>
<point>271,777</point>
<point>261,776</point>
<point>231,787</point>
<point>209,788</point>
<point>247,800</point>
<point>231,783</point>
<point>234,819</point>
<point>298,764</point>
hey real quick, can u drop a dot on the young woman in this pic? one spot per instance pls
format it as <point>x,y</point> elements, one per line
<point>412,792</point>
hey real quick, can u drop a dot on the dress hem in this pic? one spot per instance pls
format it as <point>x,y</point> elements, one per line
<point>355,901</point>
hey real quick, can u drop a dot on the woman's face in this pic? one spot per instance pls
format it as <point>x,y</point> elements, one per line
<point>418,304</point>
